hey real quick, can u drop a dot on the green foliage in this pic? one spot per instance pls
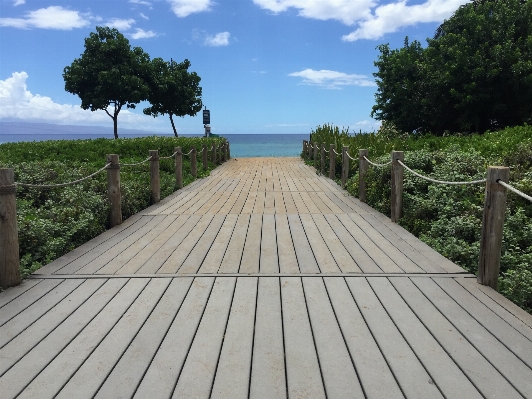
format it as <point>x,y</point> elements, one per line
<point>109,73</point>
<point>449,217</point>
<point>173,90</point>
<point>475,75</point>
<point>54,221</point>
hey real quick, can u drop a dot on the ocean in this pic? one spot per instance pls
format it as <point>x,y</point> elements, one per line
<point>242,145</point>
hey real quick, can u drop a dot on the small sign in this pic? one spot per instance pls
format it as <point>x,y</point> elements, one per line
<point>206,117</point>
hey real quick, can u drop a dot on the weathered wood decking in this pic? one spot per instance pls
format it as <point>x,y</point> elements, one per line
<point>263,281</point>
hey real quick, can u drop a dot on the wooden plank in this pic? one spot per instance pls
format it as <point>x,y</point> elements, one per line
<point>14,292</point>
<point>259,202</point>
<point>302,368</point>
<point>289,203</point>
<point>161,377</point>
<point>93,372</point>
<point>413,379</point>
<point>219,204</point>
<point>269,202</point>
<point>279,202</point>
<point>311,206</point>
<point>343,259</point>
<point>323,256</point>
<point>239,204</point>
<point>197,375</point>
<point>506,362</point>
<point>123,258</point>
<point>233,255</point>
<point>373,371</point>
<point>285,246</point>
<point>164,238</point>
<point>447,376</point>
<point>226,208</point>
<point>198,203</point>
<point>39,308</point>
<point>170,206</point>
<point>69,356</point>
<point>269,261</point>
<point>196,257</point>
<point>363,260</point>
<point>268,364</point>
<point>181,206</point>
<point>300,204</point>
<point>27,299</point>
<point>216,253</point>
<point>22,343</point>
<point>480,371</point>
<point>232,377</point>
<point>122,246</point>
<point>162,253</point>
<point>187,245</point>
<point>251,255</point>
<point>250,203</point>
<point>128,372</point>
<point>305,257</point>
<point>206,207</point>
<point>496,305</point>
<point>519,344</point>
<point>377,255</point>
<point>386,246</point>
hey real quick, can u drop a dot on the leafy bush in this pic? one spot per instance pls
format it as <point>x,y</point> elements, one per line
<point>54,221</point>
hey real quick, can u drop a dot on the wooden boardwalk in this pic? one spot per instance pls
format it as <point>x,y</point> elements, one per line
<point>262,281</point>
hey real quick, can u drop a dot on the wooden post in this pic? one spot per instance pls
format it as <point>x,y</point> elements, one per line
<point>315,155</point>
<point>397,186</point>
<point>155,183</point>
<point>492,226</point>
<point>322,165</point>
<point>219,154</point>
<point>362,171</point>
<point>226,152</point>
<point>213,154</point>
<point>9,255</point>
<point>193,164</point>
<point>113,190</point>
<point>332,161</point>
<point>304,147</point>
<point>345,165</point>
<point>309,149</point>
<point>178,167</point>
<point>204,160</point>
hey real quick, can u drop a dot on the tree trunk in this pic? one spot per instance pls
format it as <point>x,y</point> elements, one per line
<point>173,126</point>
<point>115,125</point>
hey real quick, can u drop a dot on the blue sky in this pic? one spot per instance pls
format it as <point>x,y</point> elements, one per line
<point>267,66</point>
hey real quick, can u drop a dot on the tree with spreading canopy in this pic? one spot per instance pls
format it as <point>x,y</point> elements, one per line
<point>474,75</point>
<point>173,90</point>
<point>109,74</point>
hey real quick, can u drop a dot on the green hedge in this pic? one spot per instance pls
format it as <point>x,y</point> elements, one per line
<point>52,222</point>
<point>449,217</point>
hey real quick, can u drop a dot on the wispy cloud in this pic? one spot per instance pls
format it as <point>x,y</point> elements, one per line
<point>120,24</point>
<point>373,19</point>
<point>53,17</point>
<point>331,79</point>
<point>183,8</point>
<point>19,2</point>
<point>220,39</point>
<point>142,34</point>
<point>143,16</point>
<point>16,101</point>
<point>141,2</point>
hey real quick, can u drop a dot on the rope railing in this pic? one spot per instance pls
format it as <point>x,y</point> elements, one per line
<point>350,157</point>
<point>513,189</point>
<point>440,181</point>
<point>337,153</point>
<point>378,165</point>
<point>136,164</point>
<point>61,184</point>
<point>171,156</point>
<point>188,153</point>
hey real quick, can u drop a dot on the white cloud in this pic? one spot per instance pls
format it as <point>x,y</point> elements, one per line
<point>391,17</point>
<point>345,11</point>
<point>143,16</point>
<point>19,2</point>
<point>331,79</point>
<point>16,102</point>
<point>141,2</point>
<point>53,17</point>
<point>373,20</point>
<point>220,39</point>
<point>120,24</point>
<point>142,34</point>
<point>183,8</point>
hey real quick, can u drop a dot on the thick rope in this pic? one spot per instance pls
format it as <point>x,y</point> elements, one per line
<point>514,190</point>
<point>190,152</point>
<point>62,184</point>
<point>441,181</point>
<point>171,156</point>
<point>336,152</point>
<point>350,157</point>
<point>378,165</point>
<point>135,164</point>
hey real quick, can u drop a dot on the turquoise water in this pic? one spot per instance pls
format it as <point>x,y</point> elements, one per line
<point>242,145</point>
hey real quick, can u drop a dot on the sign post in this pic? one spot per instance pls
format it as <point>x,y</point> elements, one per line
<point>207,121</point>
